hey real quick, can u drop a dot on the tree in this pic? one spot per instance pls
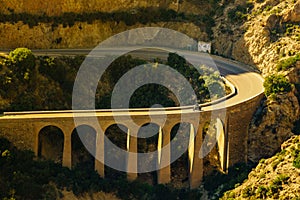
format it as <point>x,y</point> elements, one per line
<point>22,62</point>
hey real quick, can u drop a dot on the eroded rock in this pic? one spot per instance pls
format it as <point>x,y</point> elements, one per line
<point>272,125</point>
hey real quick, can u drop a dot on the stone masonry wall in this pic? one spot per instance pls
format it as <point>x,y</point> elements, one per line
<point>239,120</point>
<point>19,133</point>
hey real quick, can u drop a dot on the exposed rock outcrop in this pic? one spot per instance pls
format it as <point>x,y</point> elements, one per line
<point>294,14</point>
<point>272,126</point>
<point>256,41</point>
<point>274,178</point>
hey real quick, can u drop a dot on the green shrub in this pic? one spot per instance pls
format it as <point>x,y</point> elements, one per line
<point>275,84</point>
<point>247,192</point>
<point>262,160</point>
<point>164,192</point>
<point>281,153</point>
<point>268,8</point>
<point>296,162</point>
<point>288,63</point>
<point>261,192</point>
<point>296,155</point>
<point>231,194</point>
<point>262,175</point>
<point>22,63</point>
<point>238,14</point>
<point>273,189</point>
<point>279,180</point>
<point>275,163</point>
<point>236,174</point>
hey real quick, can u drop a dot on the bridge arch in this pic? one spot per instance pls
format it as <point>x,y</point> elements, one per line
<point>117,134</point>
<point>51,143</point>
<point>180,137</point>
<point>83,146</point>
<point>222,142</point>
<point>210,147</point>
<point>147,142</point>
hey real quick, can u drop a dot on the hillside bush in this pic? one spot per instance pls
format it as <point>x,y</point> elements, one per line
<point>22,62</point>
<point>223,182</point>
<point>296,162</point>
<point>296,154</point>
<point>288,63</point>
<point>240,13</point>
<point>276,84</point>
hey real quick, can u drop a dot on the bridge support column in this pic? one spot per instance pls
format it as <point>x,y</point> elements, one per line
<point>67,153</point>
<point>196,166</point>
<point>132,154</point>
<point>222,143</point>
<point>99,166</point>
<point>164,174</point>
<point>191,151</point>
<point>36,141</point>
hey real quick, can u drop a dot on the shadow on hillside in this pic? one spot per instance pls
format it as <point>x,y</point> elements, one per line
<point>218,183</point>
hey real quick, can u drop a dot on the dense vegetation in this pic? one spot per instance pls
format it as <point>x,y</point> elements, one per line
<point>140,15</point>
<point>218,183</point>
<point>151,94</point>
<point>46,83</point>
<point>24,87</point>
<point>25,177</point>
<point>240,13</point>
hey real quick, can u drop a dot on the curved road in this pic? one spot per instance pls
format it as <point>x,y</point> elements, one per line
<point>248,82</point>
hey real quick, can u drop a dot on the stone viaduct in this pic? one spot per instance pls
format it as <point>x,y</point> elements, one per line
<point>23,130</point>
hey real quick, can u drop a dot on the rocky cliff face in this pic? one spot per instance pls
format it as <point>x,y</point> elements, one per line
<point>261,34</point>
<point>272,125</point>
<point>262,38</point>
<point>273,178</point>
<point>44,27</point>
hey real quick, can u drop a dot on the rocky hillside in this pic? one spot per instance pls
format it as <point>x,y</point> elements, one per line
<point>263,33</point>
<point>275,178</point>
<point>57,7</point>
<point>259,33</point>
<point>84,24</point>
